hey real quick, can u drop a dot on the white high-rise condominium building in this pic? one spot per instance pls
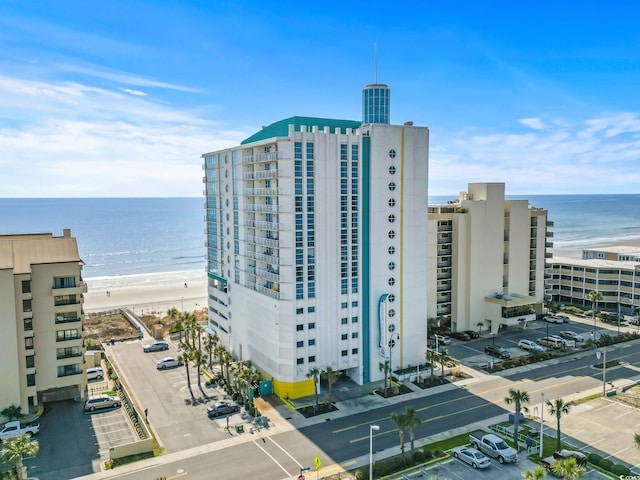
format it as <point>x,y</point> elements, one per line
<point>486,260</point>
<point>317,246</point>
<point>41,297</point>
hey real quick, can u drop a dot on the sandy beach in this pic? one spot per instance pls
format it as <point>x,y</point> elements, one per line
<point>148,297</point>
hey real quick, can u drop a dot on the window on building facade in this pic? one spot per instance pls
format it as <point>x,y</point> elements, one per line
<point>391,281</point>
<point>354,351</point>
<point>299,327</point>
<point>312,341</point>
<point>311,287</point>
<point>297,150</point>
<point>343,321</point>
<point>28,343</point>
<point>26,305</point>
<point>299,361</point>
<point>312,359</point>
<point>391,234</point>
<point>344,353</point>
<point>392,202</point>
<point>300,344</point>
<point>344,285</point>
<point>354,285</point>
<point>392,170</point>
<point>31,380</point>
<point>309,151</point>
<point>344,336</point>
<point>392,186</point>
<point>30,361</point>
<point>26,286</point>
<point>311,325</point>
<point>299,310</point>
<point>299,291</point>
<point>354,319</point>
<point>28,324</point>
<point>343,151</point>
<point>354,152</point>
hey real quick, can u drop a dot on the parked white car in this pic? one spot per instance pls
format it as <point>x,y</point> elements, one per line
<point>94,373</point>
<point>167,362</point>
<point>471,456</point>
<point>530,345</point>
<point>553,319</point>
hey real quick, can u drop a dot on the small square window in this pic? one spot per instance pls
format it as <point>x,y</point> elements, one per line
<point>343,321</point>
<point>354,319</point>
<point>312,325</point>
<point>300,361</point>
<point>312,341</point>
<point>354,303</point>
<point>299,310</point>
<point>311,309</point>
<point>312,358</point>
<point>31,380</point>
<point>345,336</point>
<point>344,353</point>
<point>299,327</point>
<point>354,351</point>
<point>344,305</point>
<point>300,343</point>
<point>354,334</point>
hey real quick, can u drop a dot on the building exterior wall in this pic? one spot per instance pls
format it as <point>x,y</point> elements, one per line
<point>42,299</point>
<point>298,241</point>
<point>569,280</point>
<point>496,257</point>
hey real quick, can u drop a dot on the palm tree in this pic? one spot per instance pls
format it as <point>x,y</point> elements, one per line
<point>314,373</point>
<point>219,351</point>
<point>400,421</point>
<point>568,469</point>
<point>210,344</point>
<point>412,422</point>
<point>431,357</point>
<point>12,412</point>
<point>199,358</point>
<point>538,473</point>
<point>444,358</point>
<point>332,377</point>
<point>14,450</point>
<point>186,357</point>
<point>227,358</point>
<point>518,398</point>
<point>176,320</point>
<point>384,367</point>
<point>558,408</point>
<point>594,296</point>
<point>198,330</point>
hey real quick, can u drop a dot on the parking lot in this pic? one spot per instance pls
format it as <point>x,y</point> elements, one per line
<point>179,420</point>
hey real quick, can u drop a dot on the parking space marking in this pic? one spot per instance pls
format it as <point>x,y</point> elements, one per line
<point>592,444</point>
<point>620,451</point>
<point>602,408</point>
<point>623,414</point>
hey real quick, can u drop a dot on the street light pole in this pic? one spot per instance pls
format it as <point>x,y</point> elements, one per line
<point>371,429</point>
<point>493,344</point>
<point>604,374</point>
<point>541,421</point>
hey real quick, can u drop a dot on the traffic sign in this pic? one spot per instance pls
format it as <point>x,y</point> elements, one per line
<point>301,477</point>
<point>317,461</point>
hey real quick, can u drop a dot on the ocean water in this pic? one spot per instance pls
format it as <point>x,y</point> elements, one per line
<point>583,221</point>
<point>134,241</point>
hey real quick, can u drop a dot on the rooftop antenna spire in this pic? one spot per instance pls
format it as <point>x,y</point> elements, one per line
<point>375,61</point>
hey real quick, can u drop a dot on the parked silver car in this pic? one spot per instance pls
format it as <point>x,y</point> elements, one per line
<point>101,401</point>
<point>156,346</point>
<point>94,373</point>
<point>167,362</point>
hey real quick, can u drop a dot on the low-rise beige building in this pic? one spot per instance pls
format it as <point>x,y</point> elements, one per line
<point>41,296</point>
<point>486,260</point>
<point>613,271</point>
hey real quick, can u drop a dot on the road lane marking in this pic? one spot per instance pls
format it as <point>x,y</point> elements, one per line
<point>271,457</point>
<point>286,453</point>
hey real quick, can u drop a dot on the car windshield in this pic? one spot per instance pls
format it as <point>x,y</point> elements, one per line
<point>501,445</point>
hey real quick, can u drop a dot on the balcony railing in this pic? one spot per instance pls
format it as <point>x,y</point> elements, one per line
<point>67,319</point>
<point>67,339</point>
<point>260,175</point>
<point>60,356</point>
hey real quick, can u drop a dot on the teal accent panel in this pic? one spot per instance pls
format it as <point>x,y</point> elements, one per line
<point>281,128</point>
<point>216,277</point>
<point>366,258</point>
<point>266,387</point>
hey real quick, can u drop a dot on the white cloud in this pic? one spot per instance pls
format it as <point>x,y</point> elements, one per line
<point>134,92</point>
<point>535,123</point>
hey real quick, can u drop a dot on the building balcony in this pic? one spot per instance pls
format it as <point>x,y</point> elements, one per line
<point>260,175</point>
<point>263,258</point>
<point>259,158</point>
<point>446,264</point>
<point>550,223</point>
<point>262,225</point>
<point>61,356</point>
<point>267,242</point>
<point>548,234</point>
<point>65,319</point>
<point>260,207</point>
<point>69,373</point>
<point>69,339</point>
<point>548,255</point>
<point>262,192</point>
<point>548,244</point>
<point>443,252</point>
<point>81,287</point>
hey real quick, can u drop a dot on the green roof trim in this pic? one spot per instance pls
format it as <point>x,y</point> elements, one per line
<point>281,128</point>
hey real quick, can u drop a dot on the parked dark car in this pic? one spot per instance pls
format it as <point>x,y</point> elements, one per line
<point>497,351</point>
<point>472,333</point>
<point>464,336</point>
<point>222,408</point>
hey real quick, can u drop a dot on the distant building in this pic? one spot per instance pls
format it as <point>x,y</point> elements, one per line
<point>317,246</point>
<point>41,296</point>
<point>613,271</point>
<point>486,260</point>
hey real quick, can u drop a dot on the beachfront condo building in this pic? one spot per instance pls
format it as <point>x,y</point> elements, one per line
<point>317,246</point>
<point>486,260</point>
<point>41,295</point>
<point>613,271</point>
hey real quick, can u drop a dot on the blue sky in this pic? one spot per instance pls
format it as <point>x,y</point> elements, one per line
<point>121,98</point>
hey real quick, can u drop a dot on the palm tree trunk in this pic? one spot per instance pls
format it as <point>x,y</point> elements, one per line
<point>558,433</point>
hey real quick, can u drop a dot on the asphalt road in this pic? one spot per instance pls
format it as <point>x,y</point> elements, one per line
<point>340,440</point>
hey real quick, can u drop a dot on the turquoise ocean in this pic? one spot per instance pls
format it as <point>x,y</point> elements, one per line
<point>137,240</point>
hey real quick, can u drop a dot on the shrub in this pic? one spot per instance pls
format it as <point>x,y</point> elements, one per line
<point>594,458</point>
<point>428,454</point>
<point>419,456</point>
<point>362,473</point>
<point>606,464</point>
<point>620,470</point>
